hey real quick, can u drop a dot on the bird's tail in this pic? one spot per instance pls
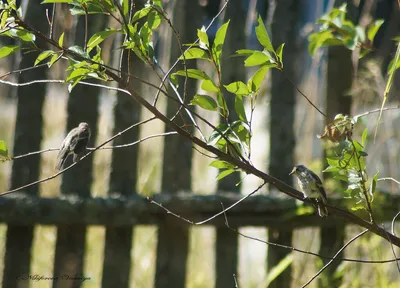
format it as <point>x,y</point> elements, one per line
<point>322,210</point>
<point>61,161</point>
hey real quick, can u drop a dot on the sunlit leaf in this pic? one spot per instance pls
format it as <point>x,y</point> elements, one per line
<point>373,29</point>
<point>195,53</point>
<point>257,58</point>
<point>208,85</point>
<point>219,164</point>
<point>42,56</point>
<point>239,108</point>
<point>262,36</point>
<point>257,79</point>
<point>99,37</point>
<point>225,173</point>
<point>193,73</point>
<point>205,102</point>
<point>203,39</point>
<point>3,152</point>
<point>238,88</point>
<point>8,50</point>
<point>218,43</point>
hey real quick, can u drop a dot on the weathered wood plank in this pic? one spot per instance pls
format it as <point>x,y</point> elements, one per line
<point>258,210</point>
<point>282,115</point>
<point>118,244</point>
<point>227,243</point>
<point>173,244</point>
<point>28,136</point>
<point>82,107</point>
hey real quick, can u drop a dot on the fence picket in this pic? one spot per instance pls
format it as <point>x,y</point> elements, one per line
<point>82,107</point>
<point>27,138</point>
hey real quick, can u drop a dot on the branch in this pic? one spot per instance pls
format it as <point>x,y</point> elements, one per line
<point>239,163</point>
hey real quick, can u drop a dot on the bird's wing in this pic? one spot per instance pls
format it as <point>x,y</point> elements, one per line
<point>64,149</point>
<point>80,142</point>
<point>319,185</point>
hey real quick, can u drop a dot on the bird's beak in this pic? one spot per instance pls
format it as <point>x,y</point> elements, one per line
<point>294,170</point>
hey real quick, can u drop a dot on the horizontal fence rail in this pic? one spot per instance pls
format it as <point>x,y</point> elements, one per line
<point>259,210</point>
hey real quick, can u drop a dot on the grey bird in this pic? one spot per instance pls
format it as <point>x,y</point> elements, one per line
<point>311,187</point>
<point>75,143</point>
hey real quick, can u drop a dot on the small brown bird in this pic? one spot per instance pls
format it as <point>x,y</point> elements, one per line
<point>75,143</point>
<point>312,187</point>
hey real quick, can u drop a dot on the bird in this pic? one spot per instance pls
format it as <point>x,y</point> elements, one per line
<point>311,187</point>
<point>75,143</point>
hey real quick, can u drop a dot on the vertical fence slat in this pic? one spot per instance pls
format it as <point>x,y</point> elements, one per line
<point>123,178</point>
<point>173,235</point>
<point>28,136</point>
<point>339,82</point>
<point>282,115</point>
<point>227,243</point>
<point>82,107</point>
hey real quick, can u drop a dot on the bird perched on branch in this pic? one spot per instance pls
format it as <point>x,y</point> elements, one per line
<point>312,187</point>
<point>75,143</point>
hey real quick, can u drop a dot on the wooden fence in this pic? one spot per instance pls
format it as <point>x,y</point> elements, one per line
<point>75,209</point>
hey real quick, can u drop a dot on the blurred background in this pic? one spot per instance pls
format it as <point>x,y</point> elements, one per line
<point>285,127</point>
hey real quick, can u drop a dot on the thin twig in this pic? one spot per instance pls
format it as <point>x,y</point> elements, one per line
<point>375,111</point>
<point>234,279</point>
<point>304,95</point>
<point>334,257</point>
<point>136,142</point>
<point>53,17</point>
<point>390,179</point>
<point>393,221</point>
<point>394,252</point>
<point>233,205</point>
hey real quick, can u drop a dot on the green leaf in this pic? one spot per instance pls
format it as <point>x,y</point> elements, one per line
<point>208,85</point>
<point>225,173</point>
<point>238,88</point>
<point>61,40</point>
<point>99,37</point>
<point>257,79</point>
<point>125,8</point>
<point>219,42</point>
<point>245,52</point>
<point>219,164</point>
<point>77,73</point>
<point>3,152</point>
<point>278,269</point>
<point>262,36</point>
<point>195,53</point>
<point>279,52</point>
<point>25,36</point>
<point>364,137</point>
<point>53,60</point>
<point>154,20</point>
<point>57,1</point>
<point>239,108</point>
<point>205,102</point>
<point>372,187</point>
<point>193,73</point>
<point>140,14</point>
<point>222,103</point>
<point>317,40</point>
<point>257,58</point>
<point>43,55</point>
<point>8,50</point>
<point>373,29</point>
<point>203,39</point>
